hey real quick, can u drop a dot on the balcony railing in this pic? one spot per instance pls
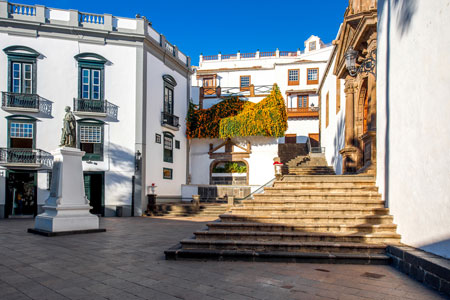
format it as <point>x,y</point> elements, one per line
<point>90,106</point>
<point>25,157</point>
<point>20,101</point>
<point>169,119</point>
<point>303,112</point>
<point>251,91</point>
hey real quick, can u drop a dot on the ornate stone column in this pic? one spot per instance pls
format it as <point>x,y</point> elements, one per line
<point>350,153</point>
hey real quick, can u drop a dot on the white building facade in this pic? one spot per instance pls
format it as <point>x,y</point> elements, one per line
<point>251,76</point>
<point>127,86</point>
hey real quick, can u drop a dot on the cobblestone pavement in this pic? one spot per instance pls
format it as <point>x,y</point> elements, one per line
<point>127,262</point>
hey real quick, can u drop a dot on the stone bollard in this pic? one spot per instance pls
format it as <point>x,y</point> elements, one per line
<point>196,201</point>
<point>230,201</point>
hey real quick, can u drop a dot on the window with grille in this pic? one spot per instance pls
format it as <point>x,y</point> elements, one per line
<point>312,46</point>
<point>90,140</point>
<point>21,130</point>
<point>21,133</point>
<point>245,83</point>
<point>168,147</point>
<point>293,77</point>
<point>313,76</point>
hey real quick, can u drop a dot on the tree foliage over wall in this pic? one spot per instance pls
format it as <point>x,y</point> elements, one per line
<point>237,118</point>
<point>266,118</point>
<point>205,123</point>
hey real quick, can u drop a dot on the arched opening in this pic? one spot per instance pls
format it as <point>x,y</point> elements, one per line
<point>224,172</point>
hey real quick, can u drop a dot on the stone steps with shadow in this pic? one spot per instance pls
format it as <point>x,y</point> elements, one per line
<point>189,210</point>
<point>315,219</point>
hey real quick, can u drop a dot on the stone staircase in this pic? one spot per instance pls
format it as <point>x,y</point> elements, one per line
<point>314,218</point>
<point>189,210</point>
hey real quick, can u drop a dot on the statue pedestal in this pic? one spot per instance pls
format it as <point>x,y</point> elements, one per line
<point>67,208</point>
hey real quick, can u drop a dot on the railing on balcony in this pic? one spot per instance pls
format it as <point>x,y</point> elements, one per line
<point>252,91</point>
<point>288,53</point>
<point>21,9</point>
<point>229,56</point>
<point>91,106</point>
<point>91,18</point>
<point>303,111</point>
<point>210,57</point>
<point>170,48</point>
<point>267,54</point>
<point>169,119</point>
<point>22,156</point>
<point>17,100</point>
<point>248,55</point>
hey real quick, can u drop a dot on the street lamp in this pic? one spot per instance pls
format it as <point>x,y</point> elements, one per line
<point>367,66</point>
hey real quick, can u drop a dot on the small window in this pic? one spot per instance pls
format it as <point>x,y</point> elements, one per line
<point>177,144</point>
<point>303,101</point>
<point>169,88</point>
<point>157,138</point>
<point>91,68</point>
<point>168,147</point>
<point>21,69</point>
<point>168,99</point>
<point>21,134</point>
<point>90,139</point>
<point>245,83</point>
<point>167,173</point>
<point>293,77</point>
<point>313,76</point>
<point>312,46</point>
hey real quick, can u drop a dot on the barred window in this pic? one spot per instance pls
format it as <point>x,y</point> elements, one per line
<point>245,82</point>
<point>21,130</point>
<point>91,134</point>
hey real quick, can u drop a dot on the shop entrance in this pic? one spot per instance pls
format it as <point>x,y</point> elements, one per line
<point>21,194</point>
<point>94,187</point>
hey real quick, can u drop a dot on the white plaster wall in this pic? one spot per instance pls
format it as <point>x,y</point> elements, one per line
<point>57,81</point>
<point>333,136</point>
<point>261,170</point>
<point>413,134</point>
<point>155,164</point>
<point>302,127</point>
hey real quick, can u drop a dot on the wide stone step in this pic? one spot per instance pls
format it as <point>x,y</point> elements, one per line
<point>321,189</point>
<point>307,219</point>
<point>312,203</point>
<point>318,196</point>
<point>329,178</point>
<point>313,184</point>
<point>372,238</point>
<point>308,247</point>
<point>178,253</point>
<point>313,227</point>
<point>304,212</point>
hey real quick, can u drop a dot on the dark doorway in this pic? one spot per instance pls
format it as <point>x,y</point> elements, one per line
<point>94,187</point>
<point>21,194</point>
<point>314,138</point>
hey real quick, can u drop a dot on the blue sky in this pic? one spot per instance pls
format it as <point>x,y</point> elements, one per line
<point>210,27</point>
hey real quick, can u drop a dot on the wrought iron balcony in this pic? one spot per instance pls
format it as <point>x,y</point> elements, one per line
<point>20,102</point>
<point>170,120</point>
<point>25,158</point>
<point>90,106</point>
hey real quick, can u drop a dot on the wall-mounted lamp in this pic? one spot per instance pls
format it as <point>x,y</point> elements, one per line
<point>137,160</point>
<point>367,66</point>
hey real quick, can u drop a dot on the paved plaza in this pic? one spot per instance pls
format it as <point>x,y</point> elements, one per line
<point>127,262</point>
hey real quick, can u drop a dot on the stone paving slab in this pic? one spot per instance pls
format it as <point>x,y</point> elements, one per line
<point>127,262</point>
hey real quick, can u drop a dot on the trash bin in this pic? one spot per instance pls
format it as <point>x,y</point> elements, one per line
<point>119,211</point>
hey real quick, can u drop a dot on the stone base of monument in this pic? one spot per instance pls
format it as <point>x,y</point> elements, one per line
<point>66,211</point>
